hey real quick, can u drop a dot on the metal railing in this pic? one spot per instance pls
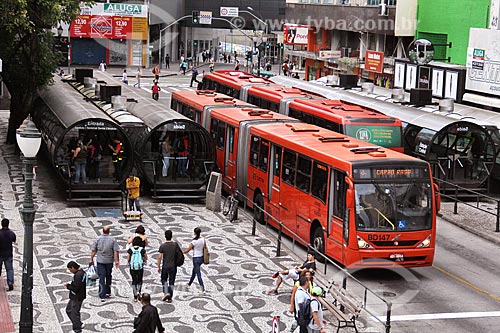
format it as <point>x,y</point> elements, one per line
<point>479,197</point>
<point>327,261</point>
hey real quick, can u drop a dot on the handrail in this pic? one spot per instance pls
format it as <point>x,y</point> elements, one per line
<point>478,196</point>
<point>346,275</point>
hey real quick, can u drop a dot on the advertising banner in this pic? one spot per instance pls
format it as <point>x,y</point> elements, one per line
<point>295,34</point>
<point>116,9</point>
<point>374,61</point>
<point>114,27</point>
<point>329,54</point>
<point>483,61</point>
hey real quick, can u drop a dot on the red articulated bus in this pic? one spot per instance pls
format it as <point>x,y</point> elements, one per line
<point>197,104</point>
<point>353,120</point>
<point>360,204</point>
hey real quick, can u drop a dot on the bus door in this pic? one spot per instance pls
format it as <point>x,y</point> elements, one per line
<point>274,181</point>
<point>230,158</point>
<point>334,243</point>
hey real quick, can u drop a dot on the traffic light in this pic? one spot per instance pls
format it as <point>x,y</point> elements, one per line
<point>268,45</point>
<point>249,55</point>
<point>196,16</point>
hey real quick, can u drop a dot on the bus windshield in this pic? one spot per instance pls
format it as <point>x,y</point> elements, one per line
<point>393,206</point>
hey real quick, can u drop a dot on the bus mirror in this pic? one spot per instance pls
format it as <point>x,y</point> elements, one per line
<point>349,198</point>
<point>437,196</point>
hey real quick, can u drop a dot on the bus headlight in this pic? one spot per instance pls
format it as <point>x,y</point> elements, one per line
<point>425,243</point>
<point>362,244</point>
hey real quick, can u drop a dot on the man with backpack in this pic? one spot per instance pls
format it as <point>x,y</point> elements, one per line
<point>136,257</point>
<point>302,305</point>
<point>316,312</point>
<point>77,293</point>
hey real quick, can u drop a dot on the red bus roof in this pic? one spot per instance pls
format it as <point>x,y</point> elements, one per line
<point>328,146</point>
<point>198,99</point>
<point>234,116</point>
<point>341,110</point>
<point>276,93</point>
<point>235,79</point>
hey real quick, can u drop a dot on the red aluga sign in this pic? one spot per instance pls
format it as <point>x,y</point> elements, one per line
<point>374,61</point>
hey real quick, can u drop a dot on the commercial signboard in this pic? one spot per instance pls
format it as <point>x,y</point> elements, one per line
<point>295,34</point>
<point>374,61</point>
<point>329,54</point>
<point>229,11</point>
<point>483,61</point>
<point>114,27</point>
<point>115,9</point>
<point>205,17</point>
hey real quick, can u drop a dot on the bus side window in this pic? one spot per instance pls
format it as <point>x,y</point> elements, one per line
<point>304,174</point>
<point>319,181</point>
<point>173,104</point>
<point>263,156</point>
<point>213,129</point>
<point>289,165</point>
<point>221,134</point>
<point>254,151</point>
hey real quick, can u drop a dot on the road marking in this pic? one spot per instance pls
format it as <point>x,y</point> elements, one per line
<point>430,316</point>
<point>467,283</point>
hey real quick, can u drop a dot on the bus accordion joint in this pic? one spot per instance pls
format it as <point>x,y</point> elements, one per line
<point>304,128</point>
<point>365,150</point>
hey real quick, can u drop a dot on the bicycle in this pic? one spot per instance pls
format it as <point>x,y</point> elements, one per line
<point>230,208</point>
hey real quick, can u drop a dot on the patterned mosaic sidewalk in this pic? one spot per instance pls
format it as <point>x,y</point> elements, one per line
<point>236,279</point>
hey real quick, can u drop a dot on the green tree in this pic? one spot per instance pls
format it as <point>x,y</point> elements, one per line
<point>26,48</point>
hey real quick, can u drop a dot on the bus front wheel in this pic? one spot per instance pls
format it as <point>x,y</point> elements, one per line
<point>258,209</point>
<point>318,242</point>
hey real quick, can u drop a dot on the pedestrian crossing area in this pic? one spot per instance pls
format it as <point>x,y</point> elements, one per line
<point>169,88</point>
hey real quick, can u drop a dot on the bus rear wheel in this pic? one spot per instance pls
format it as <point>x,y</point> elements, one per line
<point>318,242</point>
<point>258,209</point>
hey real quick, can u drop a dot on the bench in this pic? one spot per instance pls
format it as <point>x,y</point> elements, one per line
<point>345,308</point>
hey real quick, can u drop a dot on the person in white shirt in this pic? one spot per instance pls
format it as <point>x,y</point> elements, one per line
<point>301,295</point>
<point>197,245</point>
<point>125,77</point>
<point>316,325</point>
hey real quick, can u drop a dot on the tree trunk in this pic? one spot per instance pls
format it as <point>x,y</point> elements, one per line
<point>19,110</point>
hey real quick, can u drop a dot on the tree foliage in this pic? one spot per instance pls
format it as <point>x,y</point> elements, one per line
<point>26,48</point>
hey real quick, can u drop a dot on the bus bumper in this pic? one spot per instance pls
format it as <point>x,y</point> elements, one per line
<point>391,258</point>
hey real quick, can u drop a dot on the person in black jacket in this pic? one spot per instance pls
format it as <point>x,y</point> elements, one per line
<point>148,320</point>
<point>77,293</point>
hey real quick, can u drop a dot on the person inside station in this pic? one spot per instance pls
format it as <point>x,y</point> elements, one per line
<point>117,160</point>
<point>182,148</point>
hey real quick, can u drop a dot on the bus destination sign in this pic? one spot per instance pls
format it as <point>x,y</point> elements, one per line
<point>389,173</point>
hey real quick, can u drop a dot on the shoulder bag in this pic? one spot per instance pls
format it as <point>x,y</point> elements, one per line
<point>206,254</point>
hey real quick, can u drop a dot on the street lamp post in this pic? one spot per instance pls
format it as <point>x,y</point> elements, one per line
<point>29,140</point>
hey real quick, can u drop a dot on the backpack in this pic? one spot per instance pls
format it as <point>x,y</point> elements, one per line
<point>136,260</point>
<point>304,315</point>
<point>179,256</point>
<point>180,145</point>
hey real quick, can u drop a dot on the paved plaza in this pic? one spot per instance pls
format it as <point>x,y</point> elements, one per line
<point>236,280</point>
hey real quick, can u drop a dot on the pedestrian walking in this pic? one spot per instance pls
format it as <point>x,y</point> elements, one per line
<point>194,74</point>
<point>184,65</point>
<point>156,72</point>
<point>300,297</point>
<point>148,320</point>
<point>197,245</point>
<point>141,233</point>
<point>237,66</point>
<point>167,61</point>
<point>156,91</point>
<point>77,293</point>
<point>317,322</point>
<point>167,265</point>
<point>211,65</point>
<point>106,248</point>
<point>7,237</point>
<point>136,258</point>
<point>102,66</point>
<point>133,184</point>
<point>125,77</point>
<point>138,75</point>
<point>309,276</point>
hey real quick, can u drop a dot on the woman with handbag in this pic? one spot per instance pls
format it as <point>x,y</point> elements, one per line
<point>198,245</point>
